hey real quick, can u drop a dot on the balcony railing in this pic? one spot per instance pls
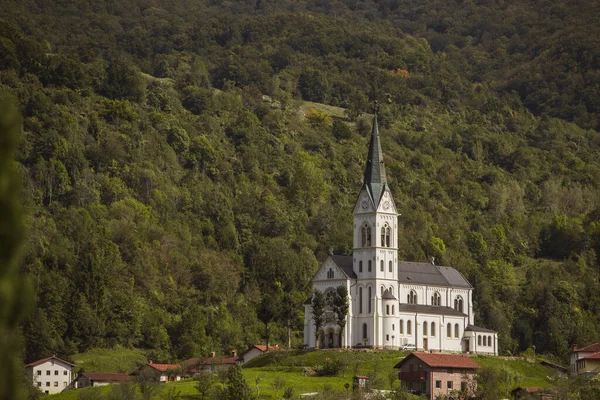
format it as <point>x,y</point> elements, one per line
<point>413,376</point>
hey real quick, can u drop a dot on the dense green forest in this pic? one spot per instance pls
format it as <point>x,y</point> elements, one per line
<point>177,200</point>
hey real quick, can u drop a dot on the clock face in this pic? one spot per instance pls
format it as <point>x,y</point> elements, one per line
<point>386,205</point>
<point>365,205</point>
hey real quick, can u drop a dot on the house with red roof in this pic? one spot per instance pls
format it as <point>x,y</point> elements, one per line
<point>257,350</point>
<point>50,375</point>
<point>211,363</point>
<point>582,353</point>
<point>164,372</point>
<point>87,379</point>
<point>435,374</point>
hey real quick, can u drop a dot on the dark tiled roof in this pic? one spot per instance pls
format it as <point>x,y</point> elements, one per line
<point>421,309</point>
<point>101,376</point>
<point>478,329</point>
<point>345,263</point>
<point>387,295</point>
<point>43,360</point>
<point>374,178</point>
<point>438,360</point>
<point>164,367</point>
<point>428,274</point>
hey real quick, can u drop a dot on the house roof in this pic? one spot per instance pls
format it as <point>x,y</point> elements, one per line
<point>345,264</point>
<point>101,376</point>
<point>595,356</point>
<point>263,347</point>
<point>438,360</point>
<point>429,274</point>
<point>43,360</point>
<point>478,329</point>
<point>163,367</point>
<point>591,348</point>
<point>437,310</point>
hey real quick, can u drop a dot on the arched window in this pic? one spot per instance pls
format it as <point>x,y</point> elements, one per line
<point>411,297</point>
<point>458,304</point>
<point>390,267</point>
<point>330,274</point>
<point>456,330</point>
<point>433,329</point>
<point>424,328</point>
<point>436,299</point>
<point>393,313</point>
<point>387,236</point>
<point>381,266</point>
<point>485,341</point>
<point>449,330</point>
<point>368,236</point>
<point>393,327</point>
<point>360,266</point>
<point>363,236</point>
<point>369,299</point>
<point>382,237</point>
<point>391,289</point>
<point>489,340</point>
<point>387,309</point>
<point>402,327</point>
<point>409,327</point>
<point>365,336</point>
<point>478,340</point>
<point>360,300</point>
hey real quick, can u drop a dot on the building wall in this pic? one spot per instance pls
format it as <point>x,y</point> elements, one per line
<point>455,377</point>
<point>588,366</point>
<point>51,376</point>
<point>250,354</point>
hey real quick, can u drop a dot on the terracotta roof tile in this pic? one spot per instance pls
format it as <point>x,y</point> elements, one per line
<point>438,360</point>
<point>46,359</point>
<point>591,348</point>
<point>164,367</point>
<point>595,356</point>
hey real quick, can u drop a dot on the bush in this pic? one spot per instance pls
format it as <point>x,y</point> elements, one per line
<point>331,368</point>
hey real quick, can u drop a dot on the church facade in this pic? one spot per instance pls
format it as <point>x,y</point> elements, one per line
<point>393,303</point>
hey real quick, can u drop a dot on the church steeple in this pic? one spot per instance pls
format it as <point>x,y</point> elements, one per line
<point>375,179</point>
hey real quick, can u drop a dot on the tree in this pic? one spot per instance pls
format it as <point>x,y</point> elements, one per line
<point>13,290</point>
<point>204,381</point>
<point>237,388</point>
<point>318,304</point>
<point>340,307</point>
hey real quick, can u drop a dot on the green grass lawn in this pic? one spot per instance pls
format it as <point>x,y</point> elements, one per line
<point>117,359</point>
<point>270,374</point>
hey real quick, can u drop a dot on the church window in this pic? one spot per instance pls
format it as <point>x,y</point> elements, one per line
<point>433,329</point>
<point>387,338</point>
<point>393,312</point>
<point>368,236</point>
<point>402,327</point>
<point>436,299</point>
<point>393,327</point>
<point>365,333</point>
<point>411,297</point>
<point>382,237</point>
<point>390,266</point>
<point>458,304</point>
<point>391,289</point>
<point>409,327</point>
<point>369,299</point>
<point>387,309</point>
<point>360,266</point>
<point>369,265</point>
<point>360,301</point>
<point>387,236</point>
<point>381,266</point>
<point>330,274</point>
<point>489,340</point>
<point>449,330</point>
<point>424,328</point>
<point>485,341</point>
<point>363,236</point>
<point>479,340</point>
<point>456,330</point>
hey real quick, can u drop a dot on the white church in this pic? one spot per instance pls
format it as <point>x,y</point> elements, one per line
<point>393,303</point>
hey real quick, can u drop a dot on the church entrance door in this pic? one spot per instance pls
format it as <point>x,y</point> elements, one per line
<point>330,340</point>
<point>425,344</point>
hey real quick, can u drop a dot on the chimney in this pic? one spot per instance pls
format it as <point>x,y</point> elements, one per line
<point>574,347</point>
<point>234,353</point>
<point>150,362</point>
<point>213,354</point>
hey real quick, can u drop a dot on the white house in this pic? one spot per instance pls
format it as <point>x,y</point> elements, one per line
<point>393,302</point>
<point>51,375</point>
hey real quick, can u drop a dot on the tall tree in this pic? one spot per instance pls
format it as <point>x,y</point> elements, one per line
<point>318,304</point>
<point>340,308</point>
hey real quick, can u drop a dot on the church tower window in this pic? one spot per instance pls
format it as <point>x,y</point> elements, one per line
<point>381,266</point>
<point>387,309</point>
<point>360,301</point>
<point>388,236</point>
<point>360,266</point>
<point>363,236</point>
<point>393,312</point>
<point>365,337</point>
<point>330,274</point>
<point>370,266</point>
<point>368,236</point>
<point>458,304</point>
<point>449,330</point>
<point>390,266</point>
<point>411,297</point>
<point>402,327</point>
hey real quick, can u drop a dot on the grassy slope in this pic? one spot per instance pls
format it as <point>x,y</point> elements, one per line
<point>291,367</point>
<point>117,359</point>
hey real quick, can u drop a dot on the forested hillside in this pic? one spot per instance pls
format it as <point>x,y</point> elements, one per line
<point>177,199</point>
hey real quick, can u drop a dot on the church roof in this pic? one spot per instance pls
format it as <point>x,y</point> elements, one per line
<point>375,179</point>
<point>345,263</point>
<point>387,295</point>
<point>428,274</point>
<point>478,329</point>
<point>437,310</point>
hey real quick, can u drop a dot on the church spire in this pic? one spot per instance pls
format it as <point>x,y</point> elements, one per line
<point>375,179</point>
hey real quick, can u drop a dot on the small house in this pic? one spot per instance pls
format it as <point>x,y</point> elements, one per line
<point>50,375</point>
<point>88,379</point>
<point>164,372</point>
